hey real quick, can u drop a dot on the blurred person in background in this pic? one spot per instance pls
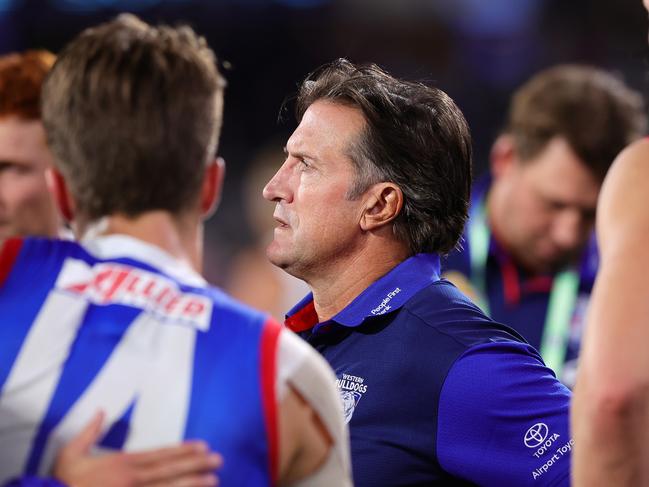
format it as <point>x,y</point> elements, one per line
<point>528,254</point>
<point>252,278</point>
<point>375,186</point>
<point>122,321</point>
<point>26,206</point>
<point>610,415</point>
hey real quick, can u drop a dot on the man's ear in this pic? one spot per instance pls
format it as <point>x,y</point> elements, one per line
<point>61,193</point>
<point>503,156</point>
<point>383,203</point>
<point>212,186</point>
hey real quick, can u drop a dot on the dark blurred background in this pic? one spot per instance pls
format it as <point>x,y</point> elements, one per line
<point>478,51</point>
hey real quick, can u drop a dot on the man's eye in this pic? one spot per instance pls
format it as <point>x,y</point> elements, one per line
<point>6,166</point>
<point>556,205</point>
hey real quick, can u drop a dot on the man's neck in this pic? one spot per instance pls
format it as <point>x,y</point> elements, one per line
<point>334,289</point>
<point>177,236</point>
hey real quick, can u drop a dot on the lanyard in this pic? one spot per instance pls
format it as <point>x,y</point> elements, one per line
<point>561,304</point>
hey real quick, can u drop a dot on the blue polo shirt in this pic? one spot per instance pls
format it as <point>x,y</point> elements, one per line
<point>519,299</point>
<point>435,392</point>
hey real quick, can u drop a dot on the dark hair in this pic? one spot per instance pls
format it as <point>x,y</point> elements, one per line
<point>132,113</point>
<point>595,112</point>
<point>21,79</point>
<point>415,136</point>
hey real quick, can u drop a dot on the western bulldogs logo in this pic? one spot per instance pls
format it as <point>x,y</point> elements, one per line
<point>351,390</point>
<point>350,399</point>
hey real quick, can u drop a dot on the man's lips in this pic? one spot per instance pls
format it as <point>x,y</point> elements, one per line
<point>281,222</point>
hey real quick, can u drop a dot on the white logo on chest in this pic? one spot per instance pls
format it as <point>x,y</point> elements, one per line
<point>351,389</point>
<point>384,306</point>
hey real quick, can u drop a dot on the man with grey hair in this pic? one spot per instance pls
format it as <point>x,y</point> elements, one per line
<point>374,188</point>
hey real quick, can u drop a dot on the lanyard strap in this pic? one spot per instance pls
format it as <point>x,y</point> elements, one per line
<point>479,237</point>
<point>561,304</point>
<point>556,329</point>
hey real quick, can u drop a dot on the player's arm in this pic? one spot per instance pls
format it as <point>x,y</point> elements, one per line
<point>313,437</point>
<point>503,419</point>
<point>187,465</point>
<point>610,415</point>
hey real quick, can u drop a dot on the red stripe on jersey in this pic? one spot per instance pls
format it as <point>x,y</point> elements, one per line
<point>268,373</point>
<point>8,253</point>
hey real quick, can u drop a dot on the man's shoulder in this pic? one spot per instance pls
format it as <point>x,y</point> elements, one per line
<point>440,310</point>
<point>42,247</point>
<point>227,308</point>
<point>26,259</point>
<point>458,260</point>
<point>621,210</point>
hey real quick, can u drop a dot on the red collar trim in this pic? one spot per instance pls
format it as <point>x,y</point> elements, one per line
<point>515,284</point>
<point>304,319</point>
<point>538,284</point>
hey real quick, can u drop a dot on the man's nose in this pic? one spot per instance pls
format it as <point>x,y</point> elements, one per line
<point>278,188</point>
<point>569,229</point>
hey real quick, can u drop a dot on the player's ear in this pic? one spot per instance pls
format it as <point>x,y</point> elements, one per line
<point>383,203</point>
<point>212,186</point>
<point>61,193</point>
<point>503,155</point>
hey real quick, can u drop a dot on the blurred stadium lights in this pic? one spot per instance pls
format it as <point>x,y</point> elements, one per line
<point>93,5</point>
<point>302,3</point>
<point>489,18</point>
<point>135,5</point>
<point>6,5</point>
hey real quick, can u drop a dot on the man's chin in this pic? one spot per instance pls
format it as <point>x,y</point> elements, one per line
<point>553,265</point>
<point>285,262</point>
<point>276,256</point>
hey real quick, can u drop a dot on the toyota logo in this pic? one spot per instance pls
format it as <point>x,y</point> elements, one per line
<point>536,435</point>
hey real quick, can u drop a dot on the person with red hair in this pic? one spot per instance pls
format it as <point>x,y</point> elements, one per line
<point>26,207</point>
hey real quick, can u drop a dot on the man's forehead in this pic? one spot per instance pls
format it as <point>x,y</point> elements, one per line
<point>22,140</point>
<point>17,130</point>
<point>333,112</point>
<point>326,123</point>
<point>570,183</point>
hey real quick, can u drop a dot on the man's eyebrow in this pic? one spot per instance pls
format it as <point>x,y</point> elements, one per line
<point>301,154</point>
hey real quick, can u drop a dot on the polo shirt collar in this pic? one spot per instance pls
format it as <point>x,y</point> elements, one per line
<point>385,295</point>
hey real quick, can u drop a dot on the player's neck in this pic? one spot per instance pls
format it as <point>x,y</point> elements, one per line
<point>177,236</point>
<point>334,290</point>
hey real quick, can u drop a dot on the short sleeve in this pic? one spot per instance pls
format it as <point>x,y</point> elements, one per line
<point>504,419</point>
